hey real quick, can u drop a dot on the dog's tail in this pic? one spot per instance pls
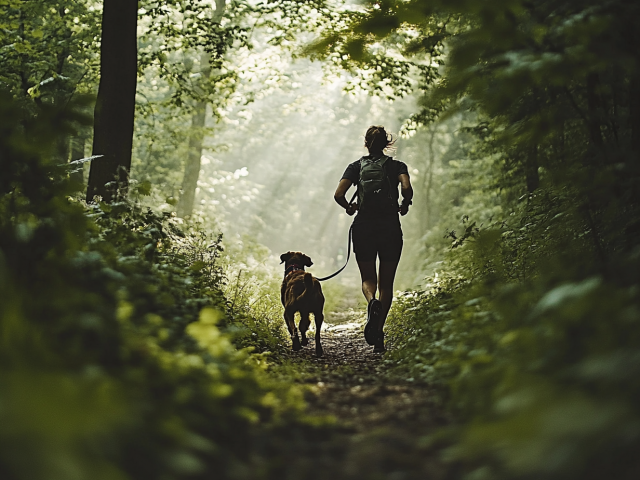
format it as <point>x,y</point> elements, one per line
<point>308,287</point>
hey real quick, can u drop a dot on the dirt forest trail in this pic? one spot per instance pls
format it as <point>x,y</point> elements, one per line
<point>382,422</point>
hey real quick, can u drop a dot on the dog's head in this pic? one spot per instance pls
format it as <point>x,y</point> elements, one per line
<point>295,258</point>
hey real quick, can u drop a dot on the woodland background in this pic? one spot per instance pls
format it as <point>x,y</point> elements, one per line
<point>138,328</point>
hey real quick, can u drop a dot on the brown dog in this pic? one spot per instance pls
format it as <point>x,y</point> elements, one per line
<point>302,293</point>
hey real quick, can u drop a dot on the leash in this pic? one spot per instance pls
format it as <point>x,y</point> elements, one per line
<point>345,263</point>
<point>348,248</point>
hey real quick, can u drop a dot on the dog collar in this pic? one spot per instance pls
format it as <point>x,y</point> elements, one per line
<point>292,268</point>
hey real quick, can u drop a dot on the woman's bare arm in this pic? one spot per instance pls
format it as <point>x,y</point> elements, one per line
<point>407,192</point>
<point>339,196</point>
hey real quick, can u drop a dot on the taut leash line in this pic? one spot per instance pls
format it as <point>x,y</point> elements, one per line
<point>345,263</point>
<point>348,248</point>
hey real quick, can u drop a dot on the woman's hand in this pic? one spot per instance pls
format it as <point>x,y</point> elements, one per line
<point>407,193</point>
<point>351,208</point>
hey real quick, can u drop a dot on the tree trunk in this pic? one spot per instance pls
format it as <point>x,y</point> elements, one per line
<point>192,167</point>
<point>62,149</point>
<point>194,155</point>
<point>115,105</point>
<point>425,219</point>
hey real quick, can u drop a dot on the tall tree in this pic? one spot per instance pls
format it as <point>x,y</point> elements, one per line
<point>115,105</point>
<point>194,154</point>
<point>192,166</point>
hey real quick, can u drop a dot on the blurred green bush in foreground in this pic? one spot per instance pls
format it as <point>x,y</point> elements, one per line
<point>113,360</point>
<point>540,374</point>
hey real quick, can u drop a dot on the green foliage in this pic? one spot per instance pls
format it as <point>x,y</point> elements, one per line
<point>371,44</point>
<point>541,369</point>
<point>121,325</point>
<point>531,327</point>
<point>110,367</point>
<point>183,40</point>
<point>165,272</point>
<point>195,56</point>
<point>48,49</point>
<point>253,293</point>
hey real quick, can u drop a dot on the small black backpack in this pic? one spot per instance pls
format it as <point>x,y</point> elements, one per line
<point>374,187</point>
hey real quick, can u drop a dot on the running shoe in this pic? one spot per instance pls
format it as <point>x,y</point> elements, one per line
<point>374,317</point>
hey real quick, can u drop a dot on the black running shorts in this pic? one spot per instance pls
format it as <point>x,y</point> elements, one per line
<point>380,238</point>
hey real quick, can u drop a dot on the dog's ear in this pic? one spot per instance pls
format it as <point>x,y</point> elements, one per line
<point>307,261</point>
<point>285,256</point>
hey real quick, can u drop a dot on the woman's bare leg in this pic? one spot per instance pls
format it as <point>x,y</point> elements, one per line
<point>369,279</point>
<point>387,276</point>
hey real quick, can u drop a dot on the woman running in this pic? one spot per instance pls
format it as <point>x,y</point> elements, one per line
<point>376,229</point>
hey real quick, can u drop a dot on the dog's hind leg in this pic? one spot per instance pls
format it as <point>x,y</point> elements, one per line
<point>288,324</point>
<point>289,316</point>
<point>304,326</point>
<point>319,318</point>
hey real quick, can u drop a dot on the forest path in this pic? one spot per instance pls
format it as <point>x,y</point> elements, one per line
<point>382,422</point>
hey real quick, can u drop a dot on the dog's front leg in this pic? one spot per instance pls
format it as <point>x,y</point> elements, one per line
<point>319,318</point>
<point>289,316</point>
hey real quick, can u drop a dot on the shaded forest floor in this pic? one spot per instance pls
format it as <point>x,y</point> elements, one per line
<point>382,424</point>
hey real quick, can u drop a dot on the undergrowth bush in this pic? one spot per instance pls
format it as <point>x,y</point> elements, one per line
<point>253,293</point>
<point>532,345</point>
<point>114,361</point>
